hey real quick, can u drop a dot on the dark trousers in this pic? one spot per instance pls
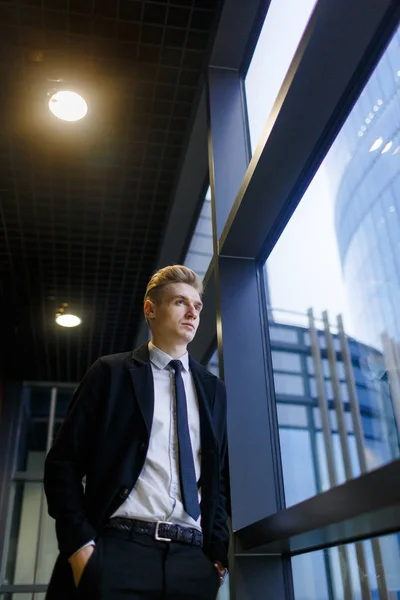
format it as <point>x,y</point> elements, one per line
<point>133,566</point>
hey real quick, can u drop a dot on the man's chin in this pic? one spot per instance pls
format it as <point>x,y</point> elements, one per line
<point>187,335</point>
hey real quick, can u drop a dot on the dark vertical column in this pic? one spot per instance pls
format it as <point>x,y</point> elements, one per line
<point>10,405</point>
<point>245,359</point>
<point>229,150</point>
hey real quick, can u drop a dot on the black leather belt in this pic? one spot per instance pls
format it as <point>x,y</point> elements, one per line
<point>163,531</point>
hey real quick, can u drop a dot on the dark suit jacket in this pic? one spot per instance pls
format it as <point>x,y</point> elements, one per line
<point>105,437</point>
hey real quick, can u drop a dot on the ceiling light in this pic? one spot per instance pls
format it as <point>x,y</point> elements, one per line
<point>376,144</point>
<point>379,102</point>
<point>387,147</point>
<point>376,108</point>
<point>363,128</point>
<point>397,150</point>
<point>68,106</point>
<point>68,320</point>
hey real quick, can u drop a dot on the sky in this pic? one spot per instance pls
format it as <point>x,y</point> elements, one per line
<point>304,268</point>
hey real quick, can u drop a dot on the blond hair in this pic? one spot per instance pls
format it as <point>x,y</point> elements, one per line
<point>171,274</point>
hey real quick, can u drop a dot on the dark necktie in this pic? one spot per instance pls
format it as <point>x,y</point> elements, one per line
<point>186,462</point>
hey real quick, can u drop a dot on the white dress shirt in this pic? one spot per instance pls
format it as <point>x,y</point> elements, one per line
<point>157,494</point>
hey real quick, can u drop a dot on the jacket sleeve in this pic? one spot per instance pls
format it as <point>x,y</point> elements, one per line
<point>66,465</point>
<point>219,542</point>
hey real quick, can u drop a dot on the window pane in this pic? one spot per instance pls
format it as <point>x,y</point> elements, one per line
<point>34,425</point>
<point>200,250</point>
<point>289,384</point>
<point>319,575</point>
<point>272,57</point>
<point>24,532</point>
<point>298,470</point>
<point>340,254</point>
<point>48,549</point>
<point>286,361</point>
<point>292,415</point>
<point>283,334</point>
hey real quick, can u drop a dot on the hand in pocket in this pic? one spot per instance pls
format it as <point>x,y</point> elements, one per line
<point>79,561</point>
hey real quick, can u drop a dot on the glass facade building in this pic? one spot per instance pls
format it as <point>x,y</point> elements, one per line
<point>304,447</point>
<point>299,414</point>
<point>364,169</point>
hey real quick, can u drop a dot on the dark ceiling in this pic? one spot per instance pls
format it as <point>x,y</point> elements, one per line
<point>83,206</point>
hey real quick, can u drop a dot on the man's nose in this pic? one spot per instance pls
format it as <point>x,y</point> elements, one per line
<point>192,311</point>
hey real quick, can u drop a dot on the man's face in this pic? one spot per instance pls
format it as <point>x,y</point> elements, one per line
<point>175,316</point>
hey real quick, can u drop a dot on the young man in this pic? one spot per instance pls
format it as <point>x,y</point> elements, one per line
<point>148,431</point>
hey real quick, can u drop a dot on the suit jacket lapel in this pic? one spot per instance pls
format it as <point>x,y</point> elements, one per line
<point>143,383</point>
<point>142,380</point>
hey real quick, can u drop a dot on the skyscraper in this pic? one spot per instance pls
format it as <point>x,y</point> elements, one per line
<point>364,168</point>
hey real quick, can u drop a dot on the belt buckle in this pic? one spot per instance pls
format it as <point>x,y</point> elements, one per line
<point>156,534</point>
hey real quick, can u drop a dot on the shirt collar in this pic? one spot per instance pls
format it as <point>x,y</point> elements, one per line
<point>161,359</point>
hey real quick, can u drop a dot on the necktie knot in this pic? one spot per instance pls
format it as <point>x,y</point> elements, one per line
<point>176,365</point>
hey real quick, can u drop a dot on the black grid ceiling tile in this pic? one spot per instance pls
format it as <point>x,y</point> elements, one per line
<point>83,224</point>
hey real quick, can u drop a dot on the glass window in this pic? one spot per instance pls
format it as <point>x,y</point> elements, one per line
<point>272,57</point>
<point>319,575</point>
<point>200,251</point>
<point>348,265</point>
<point>292,415</point>
<point>283,334</point>
<point>26,499</point>
<point>325,367</point>
<point>213,364</point>
<point>286,361</point>
<point>34,425</point>
<point>30,544</point>
<point>333,420</point>
<point>298,469</point>
<point>289,385</point>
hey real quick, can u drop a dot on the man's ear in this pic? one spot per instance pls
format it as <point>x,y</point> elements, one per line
<point>149,309</point>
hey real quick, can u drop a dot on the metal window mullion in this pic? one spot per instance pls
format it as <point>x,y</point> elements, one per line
<point>337,397</point>
<point>359,435</point>
<point>254,455</point>
<point>344,445</point>
<point>322,399</point>
<point>328,444</point>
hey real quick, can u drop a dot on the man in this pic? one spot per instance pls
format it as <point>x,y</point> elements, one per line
<point>148,431</point>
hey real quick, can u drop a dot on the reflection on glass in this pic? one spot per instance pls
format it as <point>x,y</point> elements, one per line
<point>31,545</point>
<point>24,533</point>
<point>319,575</point>
<point>48,548</point>
<point>34,422</point>
<point>272,57</point>
<point>334,295</point>
<point>200,251</point>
